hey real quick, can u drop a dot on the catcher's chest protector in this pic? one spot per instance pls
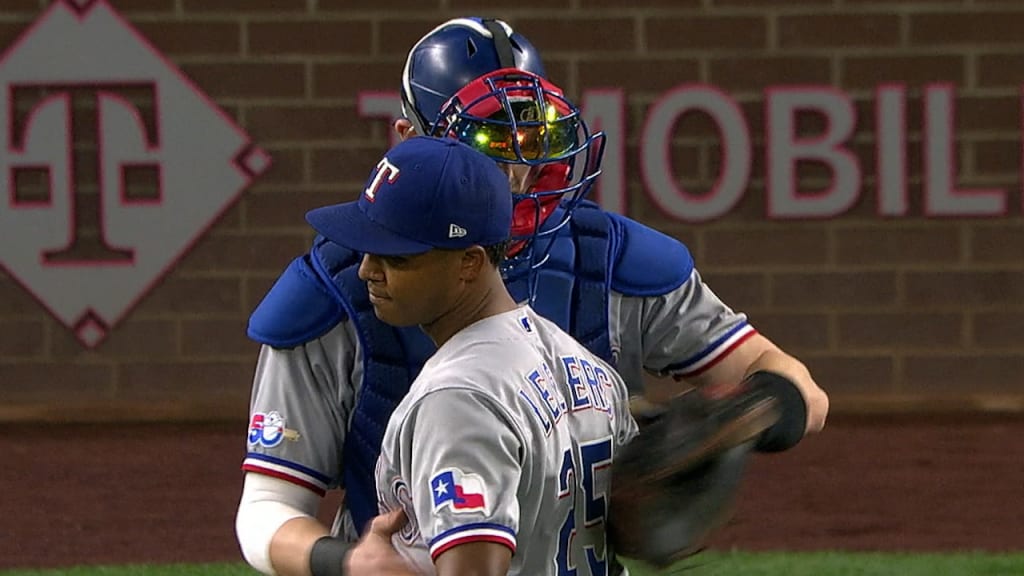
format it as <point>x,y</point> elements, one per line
<point>573,284</point>
<point>392,357</point>
<point>572,292</point>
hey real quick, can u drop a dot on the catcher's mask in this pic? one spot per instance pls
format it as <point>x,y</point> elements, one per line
<point>508,111</point>
<point>516,117</point>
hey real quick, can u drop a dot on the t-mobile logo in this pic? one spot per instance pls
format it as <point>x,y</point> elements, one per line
<point>77,153</point>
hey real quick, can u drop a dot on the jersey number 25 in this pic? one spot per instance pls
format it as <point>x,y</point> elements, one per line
<point>595,458</point>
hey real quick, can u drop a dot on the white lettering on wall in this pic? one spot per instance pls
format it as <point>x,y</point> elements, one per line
<point>785,148</point>
<point>942,198</point>
<point>656,141</point>
<point>786,197</point>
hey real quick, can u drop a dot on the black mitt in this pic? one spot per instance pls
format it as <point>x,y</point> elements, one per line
<point>676,482</point>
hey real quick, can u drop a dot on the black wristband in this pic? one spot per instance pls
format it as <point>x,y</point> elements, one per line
<point>792,423</point>
<point>327,558</point>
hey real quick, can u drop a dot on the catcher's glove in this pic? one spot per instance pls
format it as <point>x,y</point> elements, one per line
<point>675,483</point>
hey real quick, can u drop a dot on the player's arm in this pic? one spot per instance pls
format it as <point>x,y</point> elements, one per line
<point>276,525</point>
<point>481,450</point>
<point>308,385</point>
<point>475,559</point>
<point>696,338</point>
<point>759,354</point>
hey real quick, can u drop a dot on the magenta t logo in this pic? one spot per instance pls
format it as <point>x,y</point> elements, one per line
<point>113,164</point>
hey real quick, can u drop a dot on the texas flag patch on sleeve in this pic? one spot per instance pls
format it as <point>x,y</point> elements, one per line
<point>462,492</point>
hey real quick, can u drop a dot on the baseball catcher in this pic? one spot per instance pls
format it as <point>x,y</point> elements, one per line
<point>676,482</point>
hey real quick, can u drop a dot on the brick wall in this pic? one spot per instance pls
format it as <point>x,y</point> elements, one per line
<point>888,312</point>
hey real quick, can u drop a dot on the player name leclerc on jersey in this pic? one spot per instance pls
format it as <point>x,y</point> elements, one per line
<point>587,383</point>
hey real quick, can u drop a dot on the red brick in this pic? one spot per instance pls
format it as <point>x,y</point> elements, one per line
<point>37,382</point>
<point>181,296</point>
<point>221,382</point>
<point>1000,70</point>
<point>976,114</point>
<point>883,244</point>
<point>477,5</point>
<point>833,290</point>
<point>396,37</point>
<point>216,338</point>
<point>307,123</point>
<point>852,375</point>
<point>794,332</point>
<point>705,32</point>
<point>947,29</point>
<point>760,4</point>
<point>870,71</point>
<point>16,300</point>
<point>997,156</point>
<point>384,6</point>
<point>963,374</point>
<point>27,8</point>
<point>288,167</point>
<point>741,291</point>
<point>588,5</point>
<point>1000,329</point>
<point>256,288</point>
<point>249,79</point>
<point>9,32</point>
<point>777,245</point>
<point>639,75</point>
<point>231,220</point>
<point>959,289</point>
<point>265,211</point>
<point>344,165</point>
<point>245,253</point>
<point>134,337</point>
<point>900,331</point>
<point>1001,243</point>
<point>348,79</point>
<point>685,160</point>
<point>133,6</point>
<point>838,30</point>
<point>594,34</point>
<point>193,38</point>
<point>755,74</point>
<point>241,7</point>
<point>331,37</point>
<point>21,339</point>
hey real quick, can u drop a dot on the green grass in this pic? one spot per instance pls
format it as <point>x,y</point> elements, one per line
<point>709,564</point>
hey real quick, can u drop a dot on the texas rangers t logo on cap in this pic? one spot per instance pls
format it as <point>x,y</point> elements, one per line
<point>385,170</point>
<point>463,492</point>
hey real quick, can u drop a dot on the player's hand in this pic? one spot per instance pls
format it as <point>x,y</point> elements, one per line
<point>374,554</point>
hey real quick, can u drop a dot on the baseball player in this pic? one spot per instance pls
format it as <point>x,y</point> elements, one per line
<point>330,374</point>
<point>505,438</point>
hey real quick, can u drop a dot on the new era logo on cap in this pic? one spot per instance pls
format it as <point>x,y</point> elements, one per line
<point>456,231</point>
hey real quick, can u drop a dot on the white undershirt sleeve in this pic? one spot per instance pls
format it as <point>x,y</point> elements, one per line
<point>266,504</point>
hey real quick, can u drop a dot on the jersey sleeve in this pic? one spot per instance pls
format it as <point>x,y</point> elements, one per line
<point>299,409</point>
<point>689,329</point>
<point>462,456</point>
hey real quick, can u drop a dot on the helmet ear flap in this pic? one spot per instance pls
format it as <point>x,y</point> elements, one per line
<point>413,115</point>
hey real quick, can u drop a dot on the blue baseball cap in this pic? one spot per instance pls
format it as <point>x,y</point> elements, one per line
<point>425,193</point>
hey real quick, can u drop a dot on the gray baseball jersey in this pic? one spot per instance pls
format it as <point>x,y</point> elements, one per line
<point>506,436</point>
<point>302,397</point>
